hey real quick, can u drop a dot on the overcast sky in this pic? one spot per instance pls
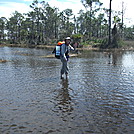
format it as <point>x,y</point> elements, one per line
<point>7,7</point>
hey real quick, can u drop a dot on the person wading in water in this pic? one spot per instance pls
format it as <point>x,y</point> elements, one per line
<point>64,56</point>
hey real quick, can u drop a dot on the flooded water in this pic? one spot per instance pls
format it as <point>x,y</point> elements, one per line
<point>97,97</point>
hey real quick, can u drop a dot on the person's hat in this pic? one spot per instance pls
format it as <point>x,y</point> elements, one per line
<point>67,38</point>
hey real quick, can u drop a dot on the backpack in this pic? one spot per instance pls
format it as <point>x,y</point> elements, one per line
<point>57,49</point>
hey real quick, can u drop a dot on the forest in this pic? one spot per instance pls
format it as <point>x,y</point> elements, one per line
<point>45,25</point>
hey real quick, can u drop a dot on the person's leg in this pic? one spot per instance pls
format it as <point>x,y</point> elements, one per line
<point>64,68</point>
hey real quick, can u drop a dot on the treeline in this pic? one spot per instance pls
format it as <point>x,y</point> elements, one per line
<point>46,25</point>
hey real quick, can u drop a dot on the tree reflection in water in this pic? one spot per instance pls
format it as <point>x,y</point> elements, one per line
<point>64,104</point>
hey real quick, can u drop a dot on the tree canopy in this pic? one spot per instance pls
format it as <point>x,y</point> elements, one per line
<point>45,24</point>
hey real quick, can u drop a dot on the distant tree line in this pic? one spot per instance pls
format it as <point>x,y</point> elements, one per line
<point>46,25</point>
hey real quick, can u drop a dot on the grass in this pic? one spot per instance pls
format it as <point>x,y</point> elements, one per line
<point>128,45</point>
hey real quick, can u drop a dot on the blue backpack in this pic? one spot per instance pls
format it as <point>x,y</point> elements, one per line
<point>57,49</point>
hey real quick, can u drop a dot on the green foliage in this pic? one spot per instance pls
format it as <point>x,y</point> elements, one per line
<point>85,43</point>
<point>117,42</point>
<point>46,25</point>
<point>104,43</point>
<point>129,33</point>
<point>77,37</point>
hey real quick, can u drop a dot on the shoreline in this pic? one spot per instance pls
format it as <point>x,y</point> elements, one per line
<point>128,45</point>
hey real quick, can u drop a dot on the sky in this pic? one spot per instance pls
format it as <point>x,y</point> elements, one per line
<point>7,7</point>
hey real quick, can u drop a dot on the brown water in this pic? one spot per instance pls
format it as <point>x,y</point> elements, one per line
<point>97,98</point>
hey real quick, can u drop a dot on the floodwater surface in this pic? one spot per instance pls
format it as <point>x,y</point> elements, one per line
<point>97,97</point>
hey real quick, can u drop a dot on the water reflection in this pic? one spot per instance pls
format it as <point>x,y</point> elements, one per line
<point>98,96</point>
<point>64,101</point>
<point>114,56</point>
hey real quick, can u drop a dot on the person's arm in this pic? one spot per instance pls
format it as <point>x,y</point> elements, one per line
<point>71,48</point>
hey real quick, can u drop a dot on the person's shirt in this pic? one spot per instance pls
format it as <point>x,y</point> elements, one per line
<point>64,50</point>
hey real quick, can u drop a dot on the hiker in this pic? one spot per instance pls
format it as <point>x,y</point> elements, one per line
<point>64,55</point>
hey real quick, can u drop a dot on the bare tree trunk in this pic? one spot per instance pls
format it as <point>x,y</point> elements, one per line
<point>122,28</point>
<point>109,41</point>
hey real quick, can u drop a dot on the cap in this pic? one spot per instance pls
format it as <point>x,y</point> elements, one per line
<point>67,38</point>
